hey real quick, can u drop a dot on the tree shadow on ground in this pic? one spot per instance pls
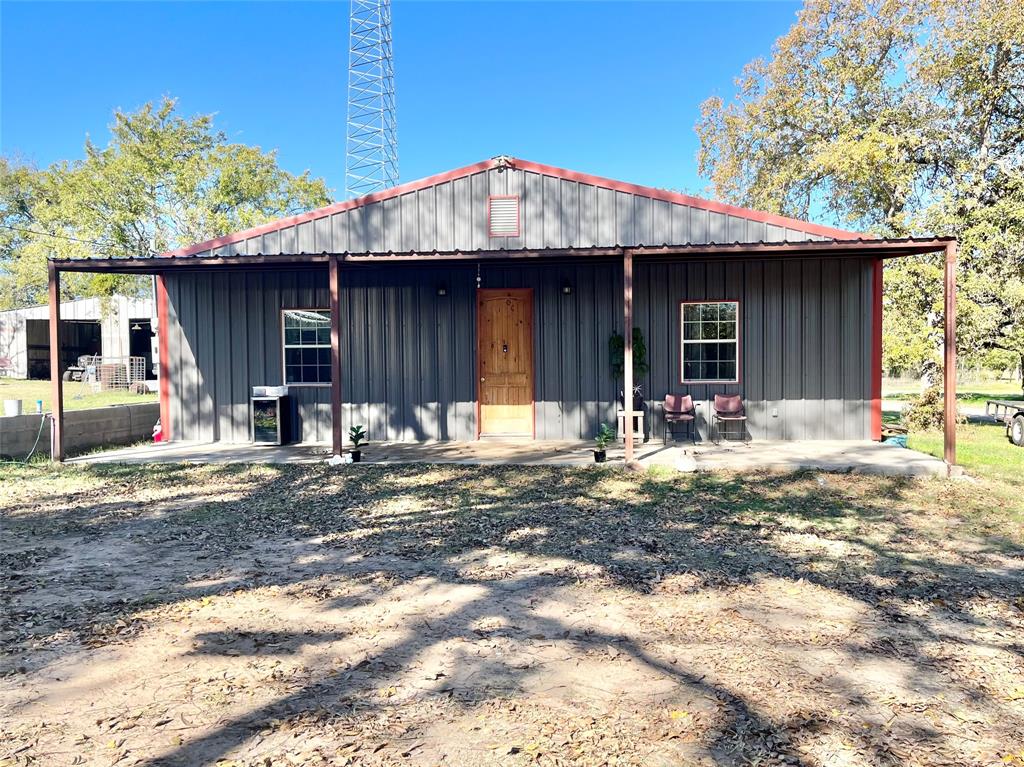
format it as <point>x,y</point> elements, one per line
<point>402,531</point>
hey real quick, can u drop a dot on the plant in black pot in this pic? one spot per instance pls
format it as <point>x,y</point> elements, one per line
<point>604,436</point>
<point>357,434</point>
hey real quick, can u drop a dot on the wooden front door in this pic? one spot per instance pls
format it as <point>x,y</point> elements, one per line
<point>505,361</point>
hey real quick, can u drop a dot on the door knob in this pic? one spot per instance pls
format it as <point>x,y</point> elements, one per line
<point>482,379</point>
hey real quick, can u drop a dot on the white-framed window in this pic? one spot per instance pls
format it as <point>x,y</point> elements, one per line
<point>711,341</point>
<point>306,339</point>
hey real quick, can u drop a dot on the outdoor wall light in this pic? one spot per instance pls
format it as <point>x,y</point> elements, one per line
<point>442,290</point>
<point>566,287</point>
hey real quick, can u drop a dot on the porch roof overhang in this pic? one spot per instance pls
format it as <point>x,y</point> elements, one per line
<point>839,248</point>
<point>881,248</point>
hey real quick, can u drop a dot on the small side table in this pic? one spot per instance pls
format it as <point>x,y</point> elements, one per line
<point>638,426</point>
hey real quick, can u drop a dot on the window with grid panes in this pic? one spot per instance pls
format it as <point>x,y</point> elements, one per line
<point>307,346</point>
<point>710,333</point>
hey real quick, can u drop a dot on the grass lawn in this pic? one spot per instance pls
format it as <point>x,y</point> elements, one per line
<point>982,449</point>
<point>255,615</point>
<point>76,395</point>
<point>969,394</point>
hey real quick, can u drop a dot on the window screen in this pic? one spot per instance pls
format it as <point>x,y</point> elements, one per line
<point>307,346</point>
<point>710,336</point>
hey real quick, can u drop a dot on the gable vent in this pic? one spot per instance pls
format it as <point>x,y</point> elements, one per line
<point>503,216</point>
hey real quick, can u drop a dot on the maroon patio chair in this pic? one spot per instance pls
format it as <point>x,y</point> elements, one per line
<point>729,410</point>
<point>679,409</point>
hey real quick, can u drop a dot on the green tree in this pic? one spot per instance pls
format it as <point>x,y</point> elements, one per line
<point>895,117</point>
<point>163,181</point>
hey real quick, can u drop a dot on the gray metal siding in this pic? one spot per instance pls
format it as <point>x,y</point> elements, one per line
<point>805,342</point>
<point>224,337</point>
<point>554,213</point>
<point>409,355</point>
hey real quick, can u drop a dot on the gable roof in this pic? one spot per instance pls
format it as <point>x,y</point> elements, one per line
<point>631,218</point>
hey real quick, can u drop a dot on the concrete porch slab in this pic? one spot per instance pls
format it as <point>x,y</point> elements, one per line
<point>864,457</point>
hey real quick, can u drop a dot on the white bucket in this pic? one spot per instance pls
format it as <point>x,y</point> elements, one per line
<point>12,407</point>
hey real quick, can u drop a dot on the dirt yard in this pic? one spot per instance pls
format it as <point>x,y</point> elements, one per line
<point>506,616</point>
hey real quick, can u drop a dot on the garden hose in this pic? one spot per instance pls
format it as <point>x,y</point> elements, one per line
<point>27,458</point>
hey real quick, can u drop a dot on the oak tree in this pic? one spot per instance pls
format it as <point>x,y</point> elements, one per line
<point>895,118</point>
<point>163,181</point>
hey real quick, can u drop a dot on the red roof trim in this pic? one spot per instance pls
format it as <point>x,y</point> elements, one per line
<point>337,207</point>
<point>524,165</point>
<point>685,199</point>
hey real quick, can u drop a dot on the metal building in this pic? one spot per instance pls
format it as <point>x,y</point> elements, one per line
<point>118,327</point>
<point>481,302</point>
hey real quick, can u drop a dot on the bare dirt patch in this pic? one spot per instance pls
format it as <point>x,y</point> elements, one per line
<point>467,616</point>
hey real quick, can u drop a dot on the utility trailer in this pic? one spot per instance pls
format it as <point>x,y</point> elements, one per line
<point>1010,413</point>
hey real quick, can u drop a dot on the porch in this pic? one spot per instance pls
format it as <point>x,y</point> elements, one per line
<point>864,457</point>
<point>403,350</point>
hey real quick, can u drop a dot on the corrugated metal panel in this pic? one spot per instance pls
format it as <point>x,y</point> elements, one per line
<point>569,218</point>
<point>462,214</point>
<point>532,211</point>
<point>698,226</point>
<point>392,224</point>
<point>805,343</point>
<point>606,224</point>
<point>552,212</point>
<point>426,216</point>
<point>477,212</point>
<point>642,224</point>
<point>588,230</point>
<point>410,354</point>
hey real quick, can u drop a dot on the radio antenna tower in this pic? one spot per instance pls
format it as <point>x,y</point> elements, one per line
<point>371,148</point>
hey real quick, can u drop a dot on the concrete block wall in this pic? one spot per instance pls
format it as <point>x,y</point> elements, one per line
<point>83,429</point>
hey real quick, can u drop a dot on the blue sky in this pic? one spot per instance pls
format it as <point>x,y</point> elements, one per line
<point>606,88</point>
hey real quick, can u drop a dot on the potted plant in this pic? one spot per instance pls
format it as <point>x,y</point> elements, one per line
<point>357,434</point>
<point>604,436</point>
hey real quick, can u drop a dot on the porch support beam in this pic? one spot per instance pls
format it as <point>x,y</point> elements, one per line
<point>809,248</point>
<point>876,350</point>
<point>949,369</point>
<point>163,336</point>
<point>56,381</point>
<point>334,278</point>
<point>627,361</point>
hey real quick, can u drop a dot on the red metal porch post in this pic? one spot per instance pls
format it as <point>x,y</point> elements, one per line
<point>627,362</point>
<point>949,372</point>
<point>56,382</point>
<point>334,277</point>
<point>165,357</point>
<point>876,351</point>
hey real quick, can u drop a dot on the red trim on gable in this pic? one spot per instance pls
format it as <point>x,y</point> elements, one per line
<point>531,167</point>
<point>337,207</point>
<point>685,199</point>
